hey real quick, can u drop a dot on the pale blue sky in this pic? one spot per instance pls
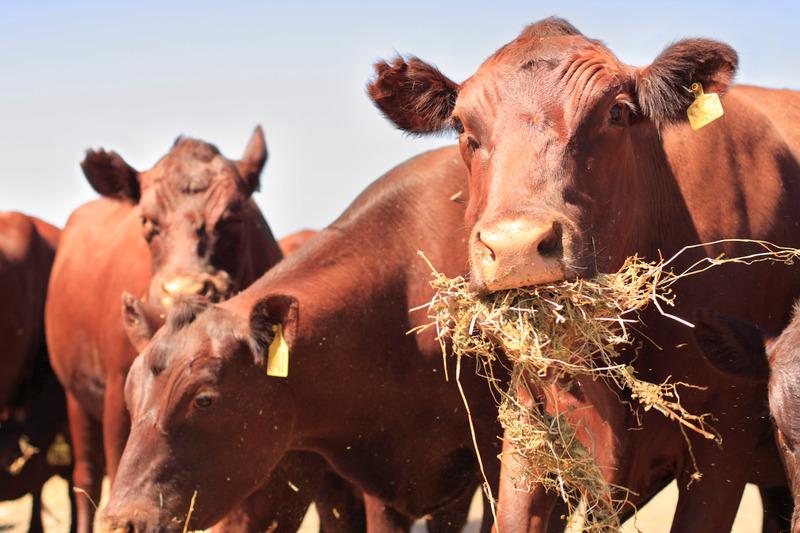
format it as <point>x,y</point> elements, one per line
<point>132,76</point>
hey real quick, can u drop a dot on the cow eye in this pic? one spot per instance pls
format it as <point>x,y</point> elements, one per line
<point>473,143</point>
<point>458,125</point>
<point>616,113</point>
<point>204,400</point>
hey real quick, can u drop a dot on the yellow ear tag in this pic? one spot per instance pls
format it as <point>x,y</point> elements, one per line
<point>278,356</point>
<point>60,452</point>
<point>705,109</point>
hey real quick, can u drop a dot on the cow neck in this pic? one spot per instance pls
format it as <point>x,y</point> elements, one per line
<point>661,223</point>
<point>260,247</point>
<point>342,281</point>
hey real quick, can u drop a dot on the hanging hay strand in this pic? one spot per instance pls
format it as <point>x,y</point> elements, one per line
<point>557,332</point>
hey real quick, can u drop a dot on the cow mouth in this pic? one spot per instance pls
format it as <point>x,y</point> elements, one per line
<point>215,287</point>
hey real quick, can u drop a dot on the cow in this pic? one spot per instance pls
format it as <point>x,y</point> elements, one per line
<point>32,408</point>
<point>209,423</point>
<point>294,241</point>
<point>577,161</point>
<point>35,445</point>
<point>187,225</point>
<point>741,350</point>
<point>298,479</point>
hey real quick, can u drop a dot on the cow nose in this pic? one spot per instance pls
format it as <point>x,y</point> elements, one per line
<point>517,253</point>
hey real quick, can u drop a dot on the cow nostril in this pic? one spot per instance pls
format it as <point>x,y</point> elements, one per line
<point>487,253</point>
<point>129,528</point>
<point>551,245</point>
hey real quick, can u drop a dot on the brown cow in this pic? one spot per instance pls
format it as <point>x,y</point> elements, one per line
<point>293,242</point>
<point>299,478</point>
<point>743,351</point>
<point>361,392</point>
<point>578,161</point>
<point>188,225</point>
<point>31,400</point>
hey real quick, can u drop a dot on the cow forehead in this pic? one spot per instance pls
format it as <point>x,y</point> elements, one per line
<point>191,167</point>
<point>530,70</point>
<point>211,332</point>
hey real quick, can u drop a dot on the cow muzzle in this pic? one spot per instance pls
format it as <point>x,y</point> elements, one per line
<point>215,287</point>
<point>136,520</point>
<point>517,253</point>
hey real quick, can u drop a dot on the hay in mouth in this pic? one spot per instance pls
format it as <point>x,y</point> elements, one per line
<point>555,333</point>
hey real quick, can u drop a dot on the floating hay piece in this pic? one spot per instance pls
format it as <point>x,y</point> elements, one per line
<point>554,333</point>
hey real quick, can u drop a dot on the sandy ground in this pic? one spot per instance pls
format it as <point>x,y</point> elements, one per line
<point>656,517</point>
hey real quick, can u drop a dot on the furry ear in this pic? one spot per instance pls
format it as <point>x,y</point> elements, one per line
<point>663,88</point>
<point>734,347</point>
<point>268,312</point>
<point>111,176</point>
<point>413,95</point>
<point>252,162</point>
<point>141,320</point>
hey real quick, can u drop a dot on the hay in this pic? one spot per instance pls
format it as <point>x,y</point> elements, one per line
<point>555,333</point>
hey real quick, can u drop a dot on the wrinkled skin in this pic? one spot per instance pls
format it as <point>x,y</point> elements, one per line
<point>206,418</point>
<point>187,225</point>
<point>32,402</point>
<point>740,350</point>
<point>577,161</point>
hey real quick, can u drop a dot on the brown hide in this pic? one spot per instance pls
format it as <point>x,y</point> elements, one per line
<point>293,242</point>
<point>361,392</point>
<point>578,161</point>
<point>32,402</point>
<point>195,215</point>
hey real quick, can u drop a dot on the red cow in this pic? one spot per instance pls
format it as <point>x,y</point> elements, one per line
<point>576,162</point>
<point>742,351</point>
<point>360,391</point>
<point>188,225</point>
<point>31,400</point>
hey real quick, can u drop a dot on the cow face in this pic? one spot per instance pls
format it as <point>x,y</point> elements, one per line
<point>205,418</point>
<point>192,204</point>
<point>554,130</point>
<point>742,351</point>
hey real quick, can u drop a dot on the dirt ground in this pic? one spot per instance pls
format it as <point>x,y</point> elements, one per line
<point>656,517</point>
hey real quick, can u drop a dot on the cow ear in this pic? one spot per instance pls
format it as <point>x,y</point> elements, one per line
<point>252,162</point>
<point>413,95</point>
<point>734,347</point>
<point>111,176</point>
<point>663,88</point>
<point>266,315</point>
<point>141,320</point>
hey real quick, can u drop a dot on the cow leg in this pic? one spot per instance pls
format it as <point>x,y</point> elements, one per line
<point>281,503</point>
<point>778,508</point>
<point>116,422</point>
<point>521,510</point>
<point>73,506</point>
<point>340,506</point>
<point>453,517</point>
<point>87,447</point>
<point>711,503</point>
<point>36,512</point>
<point>382,518</point>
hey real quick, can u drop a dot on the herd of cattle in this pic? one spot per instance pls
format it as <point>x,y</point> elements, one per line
<point>141,332</point>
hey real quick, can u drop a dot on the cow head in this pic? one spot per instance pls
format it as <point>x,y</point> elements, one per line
<point>192,204</point>
<point>742,351</point>
<point>205,417</point>
<point>557,136</point>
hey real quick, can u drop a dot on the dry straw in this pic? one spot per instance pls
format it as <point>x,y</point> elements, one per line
<point>555,333</point>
